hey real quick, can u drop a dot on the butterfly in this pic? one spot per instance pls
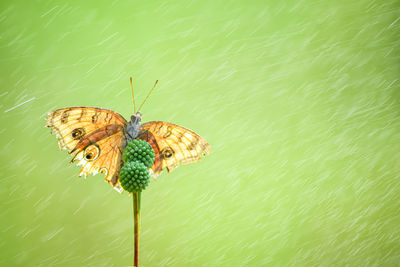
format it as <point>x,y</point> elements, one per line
<point>97,137</point>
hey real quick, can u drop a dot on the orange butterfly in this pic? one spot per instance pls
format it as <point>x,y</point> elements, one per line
<point>97,138</point>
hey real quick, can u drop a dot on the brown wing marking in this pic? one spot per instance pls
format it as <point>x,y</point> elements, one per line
<point>149,137</point>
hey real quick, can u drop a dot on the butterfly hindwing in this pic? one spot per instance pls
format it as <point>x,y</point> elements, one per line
<point>173,144</point>
<point>105,156</point>
<point>95,135</point>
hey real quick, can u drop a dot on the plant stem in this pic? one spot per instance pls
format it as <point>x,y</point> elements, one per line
<point>136,220</point>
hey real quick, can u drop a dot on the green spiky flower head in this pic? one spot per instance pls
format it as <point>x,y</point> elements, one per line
<point>134,176</point>
<point>138,157</point>
<point>139,150</point>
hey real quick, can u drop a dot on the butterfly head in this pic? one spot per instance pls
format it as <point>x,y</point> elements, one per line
<point>134,125</point>
<point>136,118</point>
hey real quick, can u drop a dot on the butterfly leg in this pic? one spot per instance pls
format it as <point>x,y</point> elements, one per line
<point>145,132</point>
<point>126,131</point>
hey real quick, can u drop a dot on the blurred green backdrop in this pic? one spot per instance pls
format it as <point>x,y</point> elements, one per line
<point>298,99</point>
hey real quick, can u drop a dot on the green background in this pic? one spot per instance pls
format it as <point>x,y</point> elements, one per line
<point>299,101</point>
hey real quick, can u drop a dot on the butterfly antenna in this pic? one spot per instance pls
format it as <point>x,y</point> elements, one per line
<point>133,96</point>
<point>148,95</point>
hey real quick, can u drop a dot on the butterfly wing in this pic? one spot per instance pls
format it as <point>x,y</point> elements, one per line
<point>96,137</point>
<point>104,156</point>
<point>173,144</point>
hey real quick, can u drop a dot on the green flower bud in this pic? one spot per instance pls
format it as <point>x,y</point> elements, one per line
<point>132,181</point>
<point>139,150</point>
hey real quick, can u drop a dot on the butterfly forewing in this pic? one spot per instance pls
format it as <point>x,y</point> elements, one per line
<point>75,123</point>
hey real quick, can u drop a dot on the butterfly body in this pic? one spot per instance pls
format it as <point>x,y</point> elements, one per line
<point>97,138</point>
